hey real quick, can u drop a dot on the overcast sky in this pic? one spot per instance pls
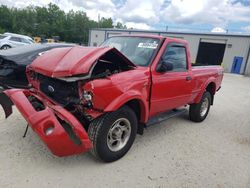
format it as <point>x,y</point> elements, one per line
<point>182,15</point>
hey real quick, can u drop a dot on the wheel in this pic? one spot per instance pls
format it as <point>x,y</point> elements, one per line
<point>5,47</point>
<point>113,134</point>
<point>198,112</point>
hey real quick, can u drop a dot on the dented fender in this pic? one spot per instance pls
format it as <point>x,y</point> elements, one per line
<point>112,93</point>
<point>125,98</point>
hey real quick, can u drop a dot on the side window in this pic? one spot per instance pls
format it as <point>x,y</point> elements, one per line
<point>16,39</point>
<point>25,41</point>
<point>176,55</point>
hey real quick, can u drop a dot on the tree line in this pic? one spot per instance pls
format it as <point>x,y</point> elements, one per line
<point>51,21</point>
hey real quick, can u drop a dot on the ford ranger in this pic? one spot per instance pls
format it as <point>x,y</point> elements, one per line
<point>98,98</point>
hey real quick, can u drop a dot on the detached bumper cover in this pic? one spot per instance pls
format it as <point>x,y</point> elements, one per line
<point>66,136</point>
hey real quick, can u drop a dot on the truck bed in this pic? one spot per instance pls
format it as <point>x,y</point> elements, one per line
<point>204,74</point>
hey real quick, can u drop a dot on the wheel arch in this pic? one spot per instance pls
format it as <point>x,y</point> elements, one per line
<point>137,107</point>
<point>209,86</point>
<point>135,102</point>
<point>6,44</point>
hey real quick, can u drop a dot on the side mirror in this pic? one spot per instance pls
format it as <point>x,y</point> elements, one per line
<point>164,66</point>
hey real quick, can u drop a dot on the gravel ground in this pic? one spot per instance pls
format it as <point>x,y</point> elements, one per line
<point>175,153</point>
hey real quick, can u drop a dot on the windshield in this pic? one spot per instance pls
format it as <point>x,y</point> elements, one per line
<point>139,50</point>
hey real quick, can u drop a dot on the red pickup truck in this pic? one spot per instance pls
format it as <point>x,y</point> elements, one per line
<point>99,98</point>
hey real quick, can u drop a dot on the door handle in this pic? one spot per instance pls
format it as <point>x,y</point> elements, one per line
<point>188,78</point>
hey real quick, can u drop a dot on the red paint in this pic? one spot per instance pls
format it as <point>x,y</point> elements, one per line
<point>63,62</point>
<point>171,89</point>
<point>155,92</point>
<point>58,142</point>
<point>111,93</point>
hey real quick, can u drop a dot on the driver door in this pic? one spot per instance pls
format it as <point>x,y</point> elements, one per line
<point>173,88</point>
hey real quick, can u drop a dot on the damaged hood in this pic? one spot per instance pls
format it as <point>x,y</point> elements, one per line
<point>65,62</point>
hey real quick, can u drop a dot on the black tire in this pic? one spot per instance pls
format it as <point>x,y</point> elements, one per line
<point>5,47</point>
<point>195,110</point>
<point>99,134</point>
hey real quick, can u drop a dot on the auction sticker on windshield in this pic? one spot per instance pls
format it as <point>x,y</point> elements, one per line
<point>147,45</point>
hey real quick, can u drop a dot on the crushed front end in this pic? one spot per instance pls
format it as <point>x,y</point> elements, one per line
<point>59,129</point>
<point>68,89</point>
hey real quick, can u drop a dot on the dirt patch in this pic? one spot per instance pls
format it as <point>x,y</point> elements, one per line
<point>244,141</point>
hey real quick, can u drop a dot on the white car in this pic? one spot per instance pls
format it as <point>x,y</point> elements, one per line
<point>11,40</point>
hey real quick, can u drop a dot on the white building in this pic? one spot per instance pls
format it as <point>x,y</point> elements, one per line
<point>232,51</point>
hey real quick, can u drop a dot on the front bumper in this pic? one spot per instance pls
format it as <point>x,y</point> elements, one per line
<point>66,136</point>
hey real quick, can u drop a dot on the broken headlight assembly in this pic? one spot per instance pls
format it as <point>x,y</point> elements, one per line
<point>87,96</point>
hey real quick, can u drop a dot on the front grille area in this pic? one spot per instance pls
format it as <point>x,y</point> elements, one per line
<point>64,93</point>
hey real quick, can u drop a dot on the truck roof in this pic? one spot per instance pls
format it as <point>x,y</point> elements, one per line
<point>160,37</point>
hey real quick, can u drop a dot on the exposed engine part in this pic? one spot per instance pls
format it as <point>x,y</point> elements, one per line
<point>65,91</point>
<point>61,92</point>
<point>108,64</point>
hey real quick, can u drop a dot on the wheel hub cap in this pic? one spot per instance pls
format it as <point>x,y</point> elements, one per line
<point>204,107</point>
<point>119,134</point>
